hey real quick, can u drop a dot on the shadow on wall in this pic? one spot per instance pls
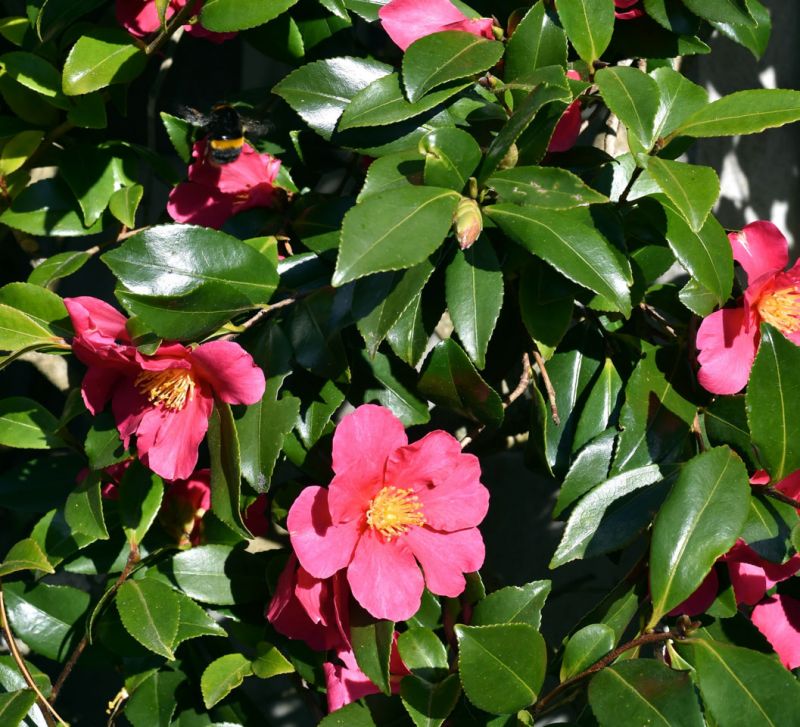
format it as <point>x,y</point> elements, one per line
<point>760,174</point>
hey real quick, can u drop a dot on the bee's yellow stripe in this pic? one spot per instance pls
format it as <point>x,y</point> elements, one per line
<point>219,144</point>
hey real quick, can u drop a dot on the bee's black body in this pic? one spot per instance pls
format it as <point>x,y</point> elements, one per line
<point>224,129</point>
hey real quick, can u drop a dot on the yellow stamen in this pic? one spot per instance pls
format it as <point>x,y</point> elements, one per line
<point>170,388</point>
<point>393,511</point>
<point>781,308</point>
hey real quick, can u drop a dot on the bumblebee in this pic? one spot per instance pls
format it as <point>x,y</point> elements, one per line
<point>224,128</point>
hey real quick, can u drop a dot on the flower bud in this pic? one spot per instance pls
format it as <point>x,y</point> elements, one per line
<point>509,161</point>
<point>467,222</point>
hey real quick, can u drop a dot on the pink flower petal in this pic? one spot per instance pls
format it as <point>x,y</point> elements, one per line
<point>98,386</point>
<point>92,315</point>
<point>128,407</point>
<point>424,463</point>
<point>790,485</point>
<point>760,248</point>
<point>195,490</point>
<point>567,130</point>
<point>459,501</point>
<point>701,599</point>
<point>384,578</point>
<point>482,27</point>
<point>345,685</point>
<point>445,557</point>
<point>408,20</point>
<point>778,618</point>
<point>362,443</point>
<point>231,371</point>
<point>198,205</point>
<point>140,17</point>
<point>727,351</point>
<point>749,582</point>
<point>313,594</point>
<point>321,547</point>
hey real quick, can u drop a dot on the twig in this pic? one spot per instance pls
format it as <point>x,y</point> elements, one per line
<point>634,177</point>
<point>44,705</point>
<point>177,20</point>
<point>780,497</point>
<point>524,382</point>
<point>259,315</point>
<point>680,632</point>
<point>548,386</point>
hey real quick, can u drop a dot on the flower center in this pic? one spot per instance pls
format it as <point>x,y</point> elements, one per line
<point>781,309</point>
<point>171,388</point>
<point>393,511</point>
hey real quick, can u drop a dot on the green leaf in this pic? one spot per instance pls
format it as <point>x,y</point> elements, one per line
<point>182,295</point>
<point>549,187</point>
<point>372,645</point>
<point>726,423</point>
<point>222,676</point>
<point>428,704</point>
<point>15,705</point>
<point>646,692</point>
<point>423,653</point>
<point>150,612</point>
<point>585,647</point>
<point>194,621</point>
<point>43,306</point>
<point>546,301</point>
<point>412,331</point>
<point>103,446</point>
<point>382,103</point>
<point>474,289</point>
<point>741,686</point>
<point>451,156</point>
<point>18,149</point>
<point>153,702</point>
<point>576,250</point>
<point>773,389</point>
<point>588,470</point>
<point>393,171</point>
<point>83,510</point>
<point>222,16</point>
<point>743,112</point>
<point>450,380</point>
<point>180,133</point>
<point>589,25</point>
<point>536,42</point>
<point>601,407</point>
<point>679,99</point>
<point>752,35</point>
<point>633,96</point>
<point>691,188</point>
<point>270,662</point>
<point>124,203</point>
<point>140,495</point>
<point>513,604</point>
<point>26,424</point>
<point>446,56</point>
<point>91,175</point>
<point>398,392</point>
<point>393,230</point>
<point>33,72</point>
<point>320,91</point>
<point>102,57</point>
<point>25,555</point>
<point>769,527</point>
<point>60,265</point>
<point>354,714</point>
<point>722,11</point>
<point>581,536</point>
<point>501,667</point>
<point>226,475</point>
<point>699,521</point>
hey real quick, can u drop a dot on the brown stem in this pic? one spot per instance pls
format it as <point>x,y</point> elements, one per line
<point>654,638</point>
<point>524,382</point>
<point>164,35</point>
<point>548,386</point>
<point>47,710</point>
<point>780,497</point>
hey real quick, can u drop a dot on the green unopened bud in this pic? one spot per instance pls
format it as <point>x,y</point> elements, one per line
<point>467,222</point>
<point>509,161</point>
<point>497,31</point>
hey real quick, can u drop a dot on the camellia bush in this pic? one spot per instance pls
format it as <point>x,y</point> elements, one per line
<point>301,370</point>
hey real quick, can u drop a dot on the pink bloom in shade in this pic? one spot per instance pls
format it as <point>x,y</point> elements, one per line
<point>408,20</point>
<point>314,610</point>
<point>391,508</point>
<point>625,9</point>
<point>728,339</point>
<point>140,18</point>
<point>568,128</point>
<point>778,618</point>
<point>164,399</point>
<point>255,517</point>
<point>216,192</point>
<point>185,503</point>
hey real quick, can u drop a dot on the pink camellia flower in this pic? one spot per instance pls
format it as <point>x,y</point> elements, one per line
<point>216,192</point>
<point>185,502</point>
<point>390,506</point>
<point>568,128</point>
<point>255,517</point>
<point>778,618</point>
<point>140,18</point>
<point>164,399</point>
<point>408,20</point>
<point>728,339</point>
<point>626,10</point>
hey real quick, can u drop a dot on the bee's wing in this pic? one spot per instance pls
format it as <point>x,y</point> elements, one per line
<point>193,116</point>
<point>256,127</point>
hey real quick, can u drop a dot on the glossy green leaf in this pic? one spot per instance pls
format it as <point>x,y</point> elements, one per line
<point>393,230</point>
<point>226,475</point>
<point>743,112</point>
<point>546,301</point>
<point>222,676</point>
<point>124,202</point>
<point>451,156</point>
<point>100,58</point>
<point>449,379</point>
<point>646,692</point>
<point>691,188</point>
<point>83,510</point>
<point>270,662</point>
<point>180,133</point>
<point>589,25</point>
<point>33,72</point>
<point>576,250</point>
<point>601,408</point>
<point>412,331</point>
<point>393,171</point>
<point>354,714</point>
<point>501,667</point>
<point>428,704</point>
<point>320,91</point>
<point>398,393</point>
<point>588,470</point>
<point>536,42</point>
<point>423,653</point>
<point>194,621</point>
<point>633,96</point>
<point>222,16</point>
<point>60,265</point>
<point>549,187</point>
<point>585,647</point>
<point>18,149</point>
<point>25,555</point>
<point>441,57</point>
<point>773,389</point>
<point>140,495</point>
<point>753,35</point>
<point>103,446</point>
<point>91,176</point>
<point>372,644</point>
<point>726,423</point>
<point>150,612</point>
<point>15,705</point>
<point>513,604</point>
<point>26,424</point>
<point>679,99</point>
<point>153,702</point>
<point>742,686</point>
<point>769,526</point>
<point>724,11</point>
<point>182,295</point>
<point>700,520</point>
